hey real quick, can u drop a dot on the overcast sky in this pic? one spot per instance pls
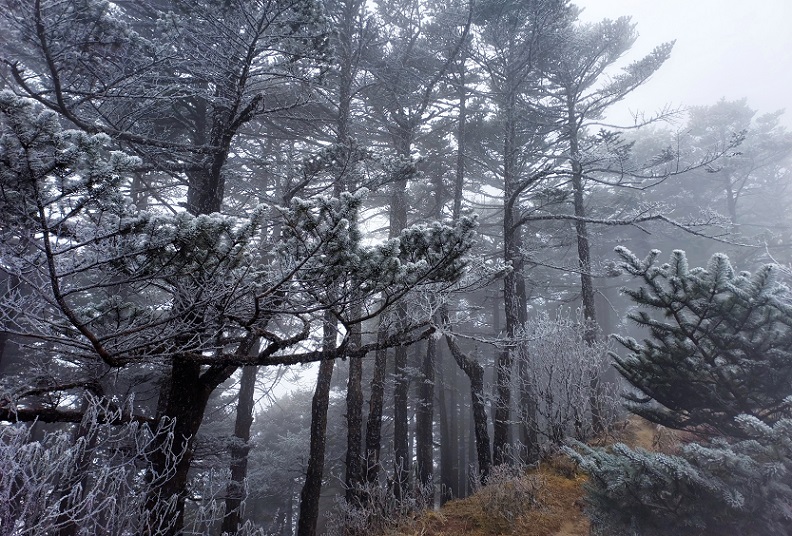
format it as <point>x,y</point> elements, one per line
<point>724,48</point>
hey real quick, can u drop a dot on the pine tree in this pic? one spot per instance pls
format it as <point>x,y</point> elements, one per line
<point>717,364</point>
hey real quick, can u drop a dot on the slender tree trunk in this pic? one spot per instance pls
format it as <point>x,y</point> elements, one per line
<point>240,449</point>
<point>348,15</point>
<point>453,431</point>
<point>401,442</point>
<point>354,415</point>
<point>442,417</point>
<point>529,439</point>
<point>584,259</point>
<point>475,372</point>
<point>398,221</point>
<point>461,139</point>
<point>513,292</point>
<point>425,414</point>
<point>374,421</point>
<point>462,425</point>
<point>309,497</point>
<point>447,450</point>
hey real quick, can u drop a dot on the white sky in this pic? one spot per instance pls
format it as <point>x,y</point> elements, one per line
<point>724,48</point>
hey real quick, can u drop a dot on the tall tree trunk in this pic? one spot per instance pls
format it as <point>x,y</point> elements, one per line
<point>472,369</point>
<point>401,442</point>
<point>475,372</point>
<point>461,139</point>
<point>310,494</point>
<point>584,259</point>
<point>529,440</point>
<point>398,221</point>
<point>354,415</point>
<point>514,293</point>
<point>424,417</point>
<point>374,421</point>
<point>185,392</point>
<point>447,445</point>
<point>240,449</point>
<point>462,426</point>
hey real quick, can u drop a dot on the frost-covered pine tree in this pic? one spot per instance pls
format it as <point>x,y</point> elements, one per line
<point>717,363</point>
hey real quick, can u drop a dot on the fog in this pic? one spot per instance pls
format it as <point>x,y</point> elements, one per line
<point>319,267</point>
<point>725,48</point>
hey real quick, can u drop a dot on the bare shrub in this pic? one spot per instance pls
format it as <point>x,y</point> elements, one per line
<point>510,491</point>
<point>94,483</point>
<point>96,479</point>
<point>565,373</point>
<point>377,509</point>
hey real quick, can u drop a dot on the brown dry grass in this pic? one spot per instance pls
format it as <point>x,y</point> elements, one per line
<point>557,511</point>
<point>558,506</point>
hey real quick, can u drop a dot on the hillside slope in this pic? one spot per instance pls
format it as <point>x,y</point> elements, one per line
<point>548,501</point>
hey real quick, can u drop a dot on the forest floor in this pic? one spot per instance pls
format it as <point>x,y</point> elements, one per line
<point>547,501</point>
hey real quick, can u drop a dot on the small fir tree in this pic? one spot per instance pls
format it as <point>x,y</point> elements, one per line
<point>717,364</point>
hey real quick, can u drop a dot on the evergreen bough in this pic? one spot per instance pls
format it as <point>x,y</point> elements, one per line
<point>717,364</point>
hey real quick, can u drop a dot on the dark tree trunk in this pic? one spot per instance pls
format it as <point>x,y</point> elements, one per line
<point>462,425</point>
<point>584,259</point>
<point>529,440</point>
<point>475,372</point>
<point>7,355</point>
<point>185,392</point>
<point>309,497</point>
<point>401,442</point>
<point>461,134</point>
<point>374,421</point>
<point>240,449</point>
<point>424,417</point>
<point>514,292</point>
<point>402,135</point>
<point>354,414</point>
<point>348,15</point>
<point>447,448</point>
<point>185,406</point>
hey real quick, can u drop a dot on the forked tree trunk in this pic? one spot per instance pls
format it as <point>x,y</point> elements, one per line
<point>475,373</point>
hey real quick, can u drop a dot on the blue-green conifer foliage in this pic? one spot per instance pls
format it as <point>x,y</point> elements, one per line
<point>717,363</point>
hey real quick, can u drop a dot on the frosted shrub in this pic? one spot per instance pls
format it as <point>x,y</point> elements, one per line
<point>510,491</point>
<point>564,373</point>
<point>94,483</point>
<point>377,509</point>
